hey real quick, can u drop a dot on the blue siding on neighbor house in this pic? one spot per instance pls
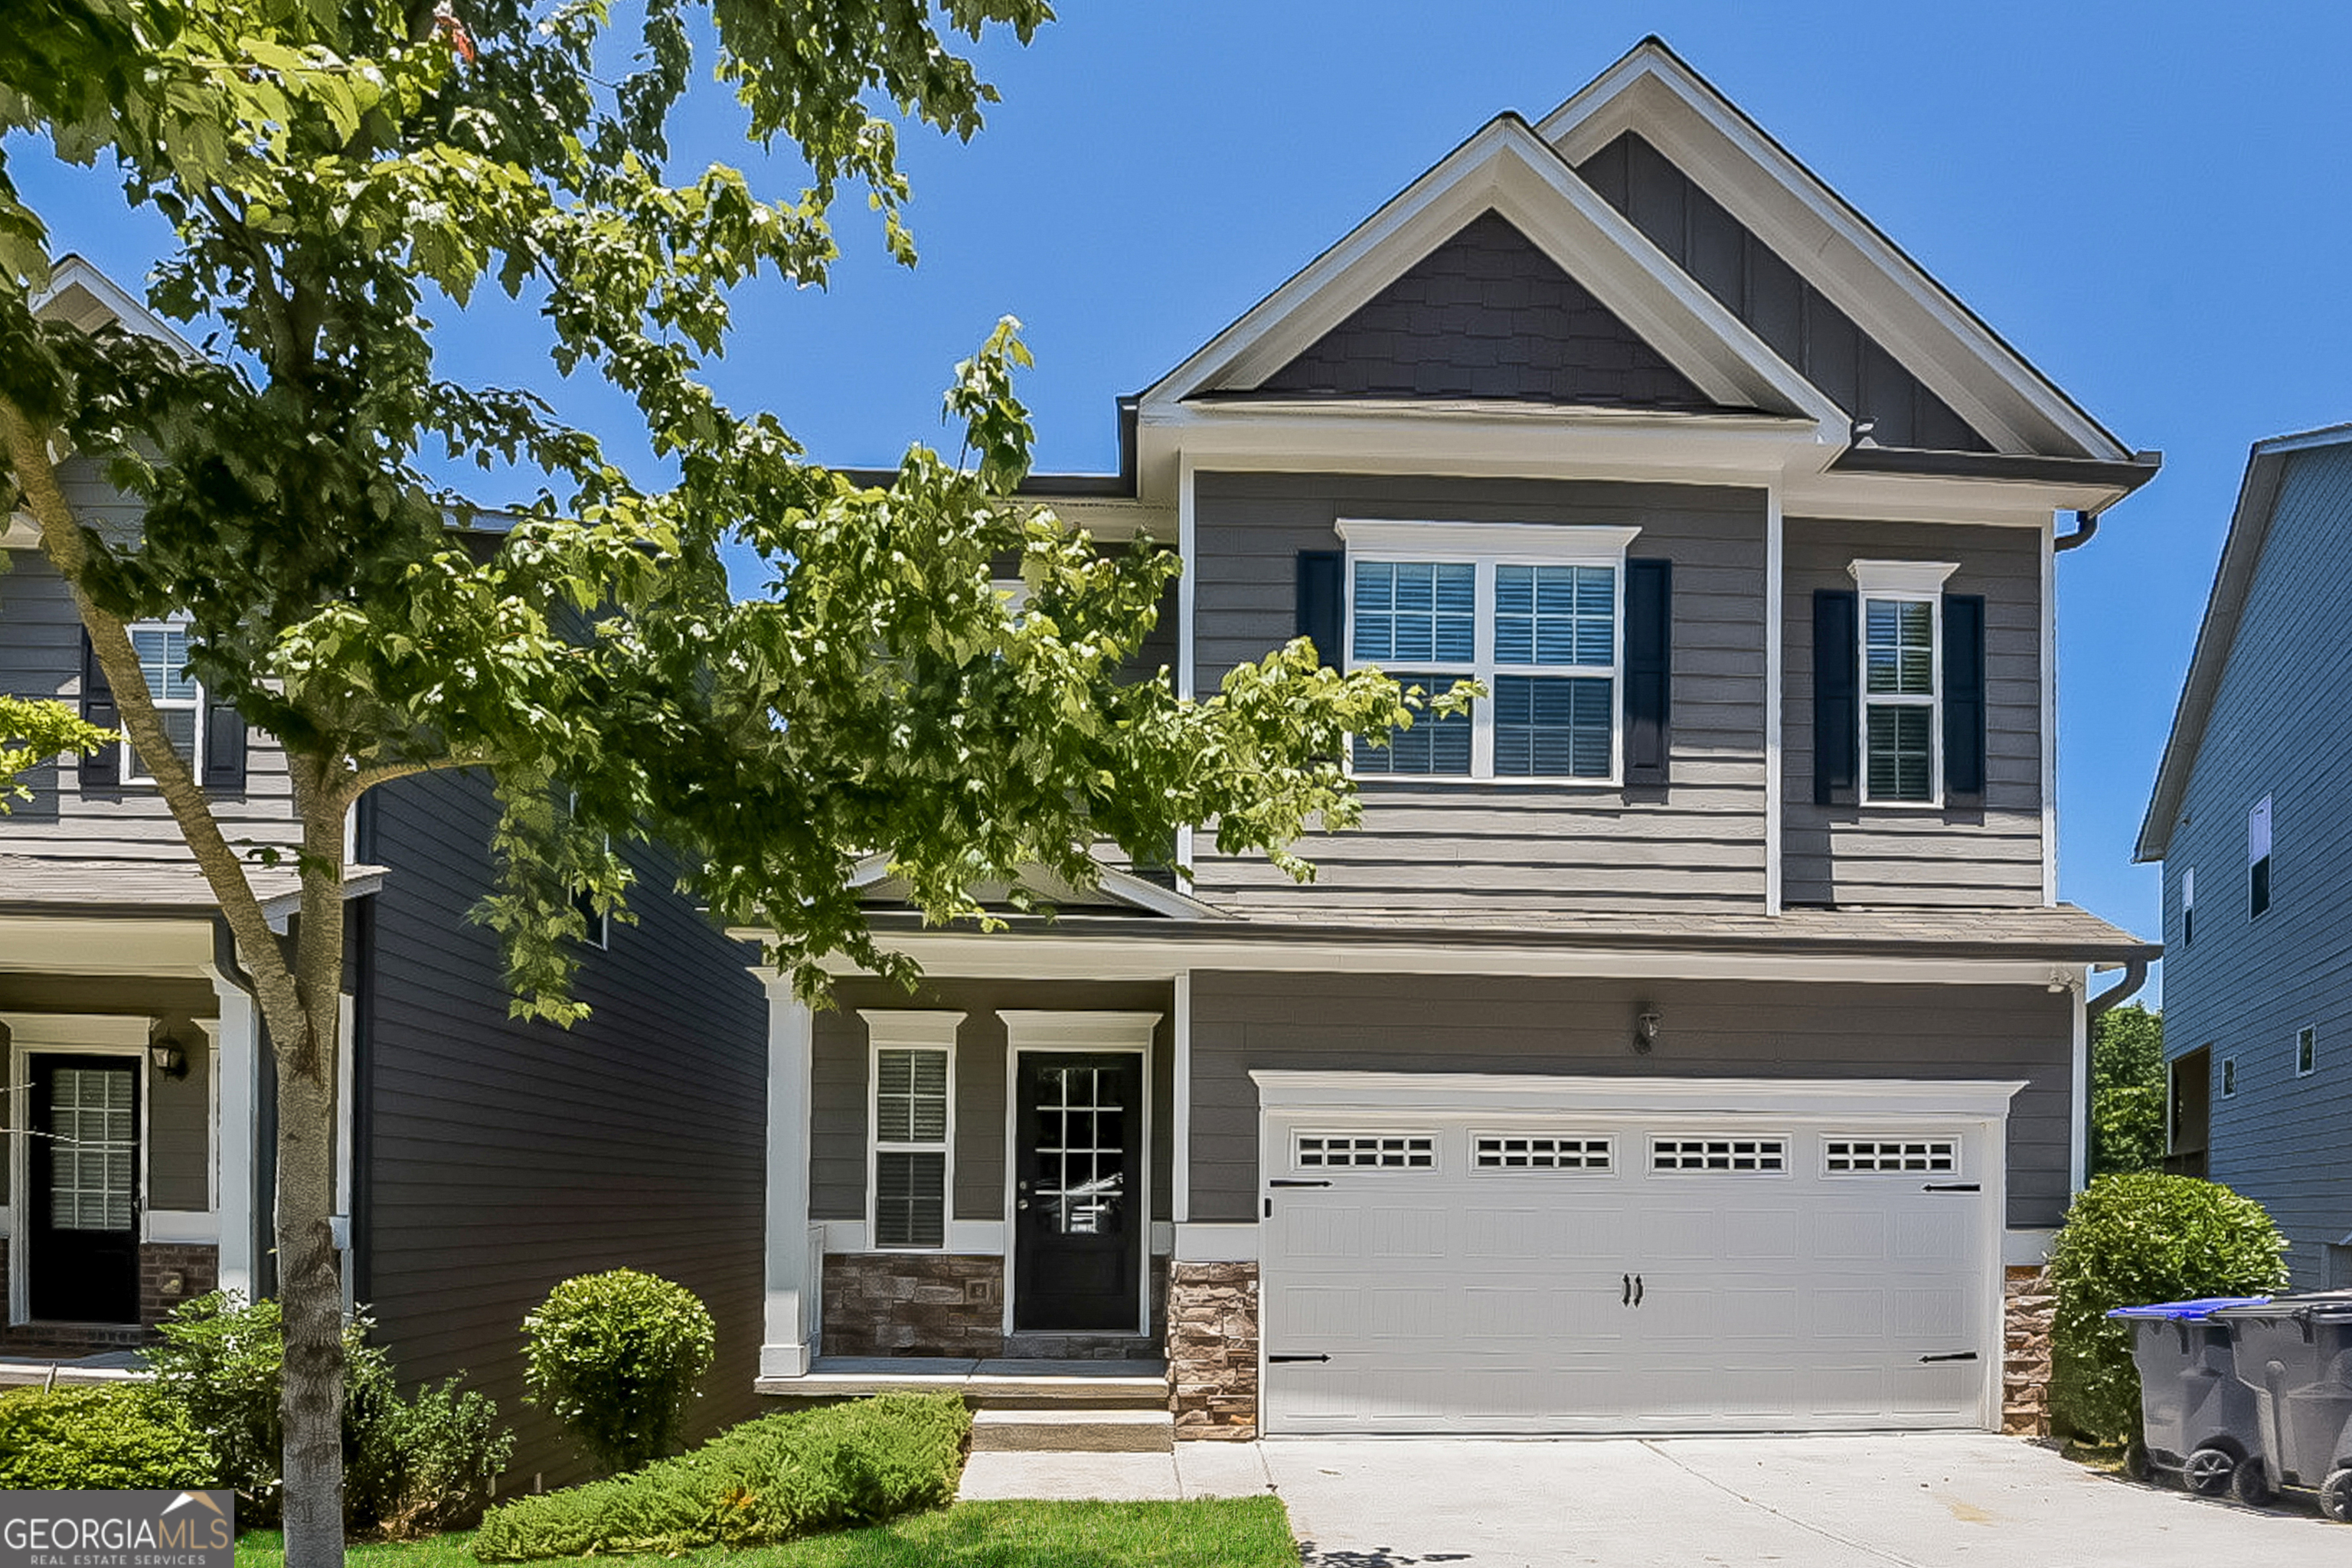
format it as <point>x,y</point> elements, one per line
<point>2281,726</point>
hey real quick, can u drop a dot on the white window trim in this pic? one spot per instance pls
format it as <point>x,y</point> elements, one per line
<point>1484,546</point>
<point>908,1029</point>
<point>2312,1031</point>
<point>132,773</point>
<point>1907,582</point>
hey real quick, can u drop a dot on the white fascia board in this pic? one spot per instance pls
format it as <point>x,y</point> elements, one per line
<point>1831,246</point>
<point>1921,498</point>
<point>1506,168</point>
<point>1978,1099</point>
<point>975,956</point>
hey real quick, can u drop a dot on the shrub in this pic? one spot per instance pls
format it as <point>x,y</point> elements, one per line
<point>428,1464</point>
<point>765,1481</point>
<point>2129,1240</point>
<point>124,1437</point>
<point>616,1357</point>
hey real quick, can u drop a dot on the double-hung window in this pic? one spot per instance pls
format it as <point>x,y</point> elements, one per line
<point>1534,612</point>
<point>1901,680</point>
<point>914,1125</point>
<point>162,650</point>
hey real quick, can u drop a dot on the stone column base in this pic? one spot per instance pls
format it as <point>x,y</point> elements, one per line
<point>2028,1308</point>
<point>1212,1350</point>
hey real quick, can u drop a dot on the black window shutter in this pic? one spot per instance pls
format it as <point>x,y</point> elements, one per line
<point>1321,595</point>
<point>1964,699</point>
<point>1649,668</point>
<point>224,746</point>
<point>1837,720</point>
<point>102,769</point>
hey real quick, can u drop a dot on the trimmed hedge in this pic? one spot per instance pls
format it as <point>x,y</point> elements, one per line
<point>615,1357</point>
<point>763,1481</point>
<point>2129,1240</point>
<point>119,1437</point>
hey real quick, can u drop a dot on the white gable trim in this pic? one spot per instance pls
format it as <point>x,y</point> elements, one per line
<point>1507,168</point>
<point>85,298</point>
<point>1830,245</point>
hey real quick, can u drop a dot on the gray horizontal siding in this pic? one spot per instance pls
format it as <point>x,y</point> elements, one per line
<point>840,1118</point>
<point>40,655</point>
<point>1879,856</point>
<point>499,1157</point>
<point>2279,727</point>
<point>1462,846</point>
<point>179,1133</point>
<point>1242,1022</point>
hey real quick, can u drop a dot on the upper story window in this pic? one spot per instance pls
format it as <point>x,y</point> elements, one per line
<point>2258,858</point>
<point>2188,906</point>
<point>2306,1051</point>
<point>1900,679</point>
<point>1534,612</point>
<point>162,650</point>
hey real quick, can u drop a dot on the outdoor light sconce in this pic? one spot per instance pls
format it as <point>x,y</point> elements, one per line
<point>1645,1031</point>
<point>168,1058</point>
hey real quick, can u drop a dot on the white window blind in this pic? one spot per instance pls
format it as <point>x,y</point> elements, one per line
<point>910,1146</point>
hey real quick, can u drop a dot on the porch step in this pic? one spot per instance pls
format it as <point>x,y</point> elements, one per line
<point>1073,1432</point>
<point>1127,1385</point>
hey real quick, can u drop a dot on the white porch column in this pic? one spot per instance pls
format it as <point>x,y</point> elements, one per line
<point>236,1061</point>
<point>784,1351</point>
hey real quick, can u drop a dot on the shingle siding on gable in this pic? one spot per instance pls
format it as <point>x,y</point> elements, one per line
<point>1819,340</point>
<point>2281,726</point>
<point>1488,315</point>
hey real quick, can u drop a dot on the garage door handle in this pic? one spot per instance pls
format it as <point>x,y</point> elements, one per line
<point>1295,1182</point>
<point>1637,1289</point>
<point>1292,1358</point>
<point>1951,1355</point>
<point>1952,1187</point>
<point>1627,1298</point>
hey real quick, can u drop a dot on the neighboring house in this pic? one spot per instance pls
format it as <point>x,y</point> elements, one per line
<point>2250,817</point>
<point>480,1159</point>
<point>1690,1038</point>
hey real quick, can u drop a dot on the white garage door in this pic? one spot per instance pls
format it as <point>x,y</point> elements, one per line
<point>1545,1270</point>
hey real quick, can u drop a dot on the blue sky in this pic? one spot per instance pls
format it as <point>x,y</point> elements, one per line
<point>2145,199</point>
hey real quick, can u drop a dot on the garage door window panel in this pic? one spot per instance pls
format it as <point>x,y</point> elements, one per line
<point>1738,1155</point>
<point>1365,1151</point>
<point>1857,1156</point>
<point>1545,1152</point>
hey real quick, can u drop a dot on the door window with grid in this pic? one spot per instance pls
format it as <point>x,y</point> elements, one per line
<point>1080,1181</point>
<point>162,650</point>
<point>93,1150</point>
<point>911,1147</point>
<point>1898,684</point>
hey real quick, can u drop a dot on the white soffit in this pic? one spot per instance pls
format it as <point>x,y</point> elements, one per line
<point>1507,168</point>
<point>1830,245</point>
<point>69,944</point>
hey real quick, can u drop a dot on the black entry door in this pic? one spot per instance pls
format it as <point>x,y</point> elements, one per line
<point>83,1256</point>
<point>1077,1225</point>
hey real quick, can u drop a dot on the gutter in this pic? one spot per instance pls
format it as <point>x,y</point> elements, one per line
<point>2122,991</point>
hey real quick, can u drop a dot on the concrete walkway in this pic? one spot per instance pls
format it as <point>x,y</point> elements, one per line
<point>1914,1501</point>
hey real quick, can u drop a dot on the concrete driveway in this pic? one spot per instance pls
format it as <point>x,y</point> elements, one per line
<point>1814,1503</point>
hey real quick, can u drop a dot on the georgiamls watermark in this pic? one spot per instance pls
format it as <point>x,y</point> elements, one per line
<point>117,1530</point>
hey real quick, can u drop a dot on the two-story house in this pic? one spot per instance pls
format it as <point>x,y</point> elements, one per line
<point>1692,1037</point>
<point>479,1160</point>
<point>2254,793</point>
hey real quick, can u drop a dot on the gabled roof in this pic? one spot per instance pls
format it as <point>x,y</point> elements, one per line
<point>1654,91</point>
<point>81,295</point>
<point>2241,553</point>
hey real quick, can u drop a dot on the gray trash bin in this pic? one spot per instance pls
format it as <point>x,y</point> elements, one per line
<point>2199,1420</point>
<point>2295,1352</point>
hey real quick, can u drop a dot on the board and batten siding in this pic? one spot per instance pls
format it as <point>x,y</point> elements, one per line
<point>497,1157</point>
<point>1460,846</point>
<point>841,1091</point>
<point>40,655</point>
<point>1881,855</point>
<point>2281,726</point>
<point>1498,1023</point>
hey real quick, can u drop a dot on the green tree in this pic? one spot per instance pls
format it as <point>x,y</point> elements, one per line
<point>333,171</point>
<point>2127,1090</point>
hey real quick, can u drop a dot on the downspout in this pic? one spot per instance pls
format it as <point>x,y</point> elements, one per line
<point>2134,976</point>
<point>2086,523</point>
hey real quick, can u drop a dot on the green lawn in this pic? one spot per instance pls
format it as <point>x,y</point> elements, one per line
<point>1221,1533</point>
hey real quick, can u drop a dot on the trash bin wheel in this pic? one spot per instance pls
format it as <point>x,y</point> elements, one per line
<point>2336,1495</point>
<point>2209,1471</point>
<point>2251,1484</point>
<point>2135,1463</point>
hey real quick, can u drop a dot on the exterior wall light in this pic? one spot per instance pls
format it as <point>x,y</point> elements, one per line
<point>168,1058</point>
<point>1645,1031</point>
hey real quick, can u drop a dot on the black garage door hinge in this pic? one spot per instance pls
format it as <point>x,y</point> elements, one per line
<point>1290,1358</point>
<point>1951,1355</point>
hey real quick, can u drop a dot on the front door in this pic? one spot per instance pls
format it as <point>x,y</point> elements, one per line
<point>83,1252</point>
<point>1077,1223</point>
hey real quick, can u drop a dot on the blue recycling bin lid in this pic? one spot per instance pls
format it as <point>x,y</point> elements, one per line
<point>2187,1312</point>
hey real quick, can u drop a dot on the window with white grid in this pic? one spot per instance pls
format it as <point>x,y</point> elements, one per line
<point>1859,1156</point>
<point>1742,1155</point>
<point>162,650</point>
<point>93,1150</point>
<point>1514,1152</point>
<point>1366,1152</point>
